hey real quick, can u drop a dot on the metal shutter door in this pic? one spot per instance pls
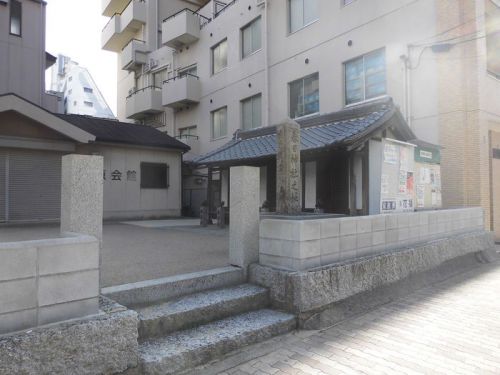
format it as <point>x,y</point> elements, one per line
<point>3,185</point>
<point>34,185</point>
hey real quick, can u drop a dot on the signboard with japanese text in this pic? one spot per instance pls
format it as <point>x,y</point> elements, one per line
<point>397,193</point>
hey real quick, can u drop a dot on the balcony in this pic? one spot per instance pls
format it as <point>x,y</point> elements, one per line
<point>110,7</point>
<point>182,28</point>
<point>134,55</point>
<point>122,28</point>
<point>143,103</point>
<point>181,91</point>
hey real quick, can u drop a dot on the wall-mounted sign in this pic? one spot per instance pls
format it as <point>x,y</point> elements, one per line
<point>131,176</point>
<point>116,175</point>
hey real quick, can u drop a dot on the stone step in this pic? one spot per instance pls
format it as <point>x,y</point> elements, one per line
<point>199,308</point>
<point>157,290</point>
<point>190,348</point>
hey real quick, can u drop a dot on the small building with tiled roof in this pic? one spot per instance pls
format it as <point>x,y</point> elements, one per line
<point>341,156</point>
<point>142,166</point>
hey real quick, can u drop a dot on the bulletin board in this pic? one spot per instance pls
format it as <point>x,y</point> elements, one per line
<point>397,193</point>
<point>428,185</point>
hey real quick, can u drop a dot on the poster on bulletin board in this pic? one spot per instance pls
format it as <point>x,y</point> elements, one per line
<point>397,191</point>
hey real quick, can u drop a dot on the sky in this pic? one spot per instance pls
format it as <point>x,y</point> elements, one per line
<point>74,29</point>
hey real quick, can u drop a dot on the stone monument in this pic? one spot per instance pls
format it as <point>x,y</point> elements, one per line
<point>244,216</point>
<point>288,182</point>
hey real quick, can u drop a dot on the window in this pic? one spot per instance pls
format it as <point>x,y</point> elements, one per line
<point>88,90</point>
<point>74,103</point>
<point>304,96</point>
<point>154,176</point>
<point>219,57</point>
<point>219,123</point>
<point>88,104</point>
<point>365,77</point>
<point>70,78</point>
<point>251,38</point>
<point>70,91</point>
<point>191,70</point>
<point>493,37</point>
<point>251,112</point>
<point>301,13</point>
<point>16,18</point>
<point>187,133</point>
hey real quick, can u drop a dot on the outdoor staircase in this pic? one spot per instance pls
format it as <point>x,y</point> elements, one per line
<point>190,330</point>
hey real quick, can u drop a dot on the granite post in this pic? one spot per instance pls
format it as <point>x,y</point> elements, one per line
<point>82,195</point>
<point>288,182</point>
<point>245,216</point>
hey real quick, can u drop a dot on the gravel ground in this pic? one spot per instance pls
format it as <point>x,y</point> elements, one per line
<point>132,253</point>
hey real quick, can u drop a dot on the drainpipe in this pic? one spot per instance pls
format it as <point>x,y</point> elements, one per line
<point>408,89</point>
<point>407,86</point>
<point>266,62</point>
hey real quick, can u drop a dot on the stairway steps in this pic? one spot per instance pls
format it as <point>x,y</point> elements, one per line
<point>153,291</point>
<point>186,349</point>
<point>199,308</point>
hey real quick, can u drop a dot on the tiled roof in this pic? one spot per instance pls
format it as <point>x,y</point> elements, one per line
<point>324,131</point>
<point>113,131</point>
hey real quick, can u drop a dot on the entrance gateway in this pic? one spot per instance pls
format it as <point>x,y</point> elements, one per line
<point>30,187</point>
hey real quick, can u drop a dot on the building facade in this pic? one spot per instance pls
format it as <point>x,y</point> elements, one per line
<point>81,96</point>
<point>23,59</point>
<point>247,63</point>
<point>142,165</point>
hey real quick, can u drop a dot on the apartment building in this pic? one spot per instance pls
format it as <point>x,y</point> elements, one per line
<point>205,73</point>
<point>80,93</point>
<point>142,166</point>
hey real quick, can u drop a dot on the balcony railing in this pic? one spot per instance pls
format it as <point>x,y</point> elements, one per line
<point>110,7</point>
<point>181,91</point>
<point>143,103</point>
<point>182,28</point>
<point>220,7</point>
<point>122,27</point>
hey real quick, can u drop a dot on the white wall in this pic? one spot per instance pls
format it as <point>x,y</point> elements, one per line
<point>125,198</point>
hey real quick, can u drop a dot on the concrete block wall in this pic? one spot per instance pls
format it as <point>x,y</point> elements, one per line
<point>47,281</point>
<point>299,245</point>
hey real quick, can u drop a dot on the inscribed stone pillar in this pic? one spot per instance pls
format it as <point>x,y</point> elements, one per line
<point>244,216</point>
<point>82,195</point>
<point>288,182</point>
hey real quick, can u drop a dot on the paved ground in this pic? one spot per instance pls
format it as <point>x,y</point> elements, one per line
<point>450,328</point>
<point>134,253</point>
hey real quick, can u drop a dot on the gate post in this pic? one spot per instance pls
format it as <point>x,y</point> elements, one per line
<point>244,216</point>
<point>82,195</point>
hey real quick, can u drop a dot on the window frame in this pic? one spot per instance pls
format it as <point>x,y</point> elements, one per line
<point>212,57</point>
<point>304,24</point>
<point>242,101</point>
<point>245,27</point>
<point>290,97</point>
<point>88,90</point>
<point>363,56</point>
<point>188,130</point>
<point>212,114</point>
<point>18,4</point>
<point>158,164</point>
<point>88,104</point>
